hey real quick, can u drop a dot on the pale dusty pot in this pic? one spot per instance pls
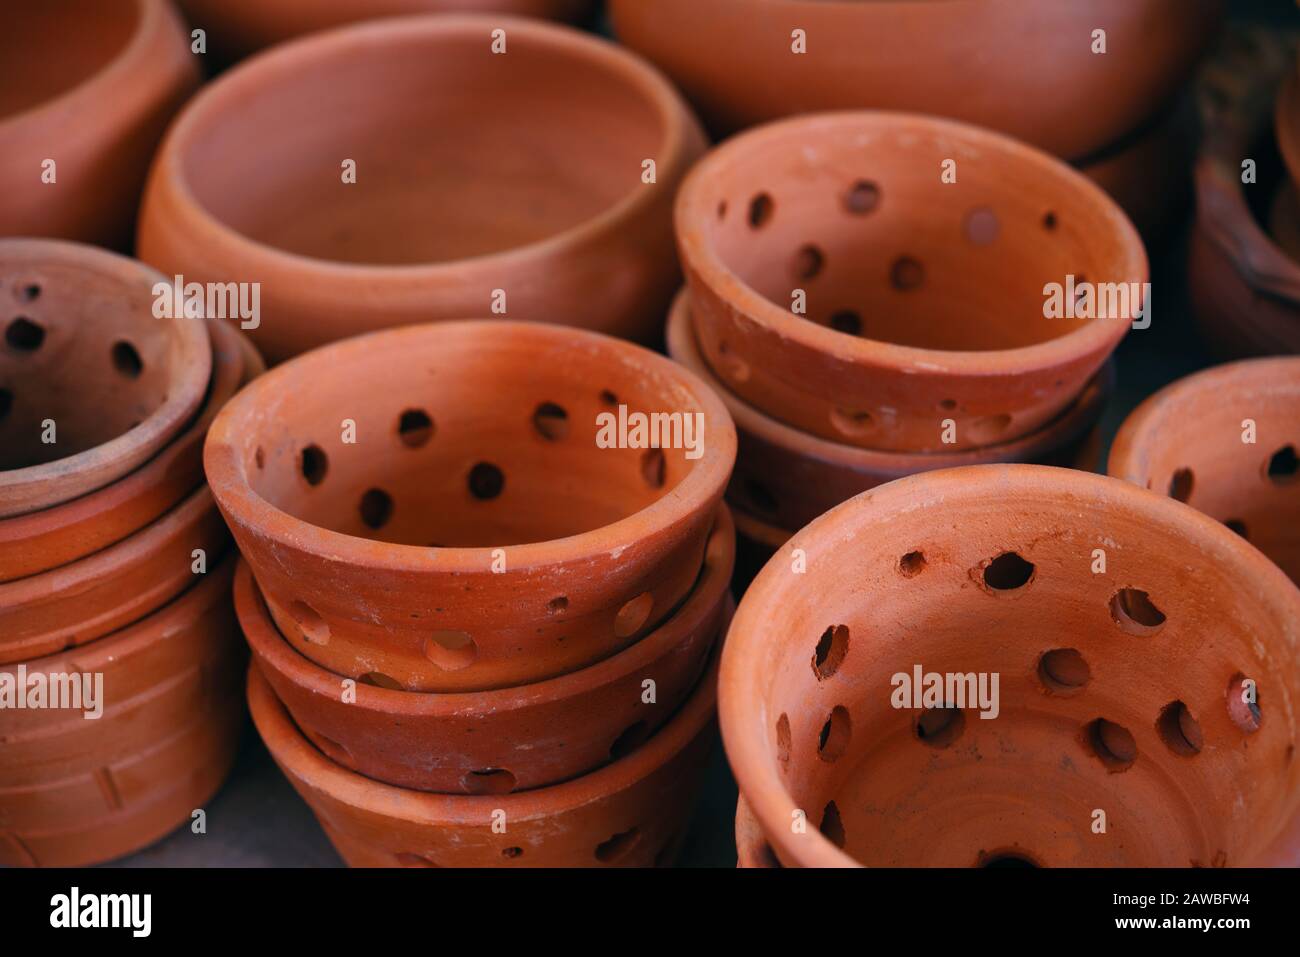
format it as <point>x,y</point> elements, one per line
<point>90,85</point>
<point>631,813</point>
<point>541,214</point>
<point>925,300</point>
<point>83,350</point>
<point>76,791</point>
<point>1189,441</point>
<point>1029,72</point>
<point>785,478</point>
<point>513,739</point>
<point>1119,689</point>
<point>39,541</point>
<point>474,535</point>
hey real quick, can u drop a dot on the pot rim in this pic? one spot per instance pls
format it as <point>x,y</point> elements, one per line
<point>266,66</point>
<point>694,207</point>
<point>242,505</point>
<point>739,715</point>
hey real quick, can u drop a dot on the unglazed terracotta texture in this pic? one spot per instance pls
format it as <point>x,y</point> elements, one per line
<point>84,361</point>
<point>541,214</point>
<point>1119,688</point>
<point>735,60</point>
<point>924,300</point>
<point>475,534</point>
<point>1225,441</point>
<point>76,791</point>
<point>513,739</point>
<point>90,86</point>
<point>785,478</point>
<point>631,813</point>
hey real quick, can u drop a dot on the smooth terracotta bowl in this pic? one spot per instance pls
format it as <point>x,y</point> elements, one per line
<point>967,59</point>
<point>786,478</point>
<point>40,541</point>
<point>90,85</point>
<point>631,813</point>
<point>474,536</point>
<point>545,203</point>
<point>924,300</point>
<point>513,739</point>
<point>1118,691</point>
<point>1186,441</point>
<point>83,349</point>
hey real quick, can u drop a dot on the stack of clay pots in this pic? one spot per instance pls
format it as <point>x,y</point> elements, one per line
<point>869,294</point>
<point>482,624</point>
<point>114,566</point>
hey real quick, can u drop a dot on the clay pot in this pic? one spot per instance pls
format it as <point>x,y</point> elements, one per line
<point>737,63</point>
<point>84,354</point>
<point>474,535</point>
<point>1188,441</point>
<point>631,813</point>
<point>785,478</point>
<point>512,739</point>
<point>1120,689</point>
<point>448,216</point>
<point>76,791</point>
<point>925,301</point>
<point>91,86</point>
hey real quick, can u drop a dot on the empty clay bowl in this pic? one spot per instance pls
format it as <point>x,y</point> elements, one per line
<point>631,813</point>
<point>461,528</point>
<point>1145,711</point>
<point>92,384</point>
<point>513,739</point>
<point>39,541</point>
<point>1225,441</point>
<point>1032,73</point>
<point>88,87</point>
<point>541,214</point>
<point>784,478</point>
<point>925,300</point>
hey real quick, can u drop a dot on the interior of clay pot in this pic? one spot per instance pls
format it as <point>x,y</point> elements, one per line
<point>49,48</point>
<point>857,214</point>
<point>1121,737</point>
<point>434,182</point>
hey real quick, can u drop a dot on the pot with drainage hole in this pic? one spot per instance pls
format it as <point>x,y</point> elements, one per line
<point>1002,664</point>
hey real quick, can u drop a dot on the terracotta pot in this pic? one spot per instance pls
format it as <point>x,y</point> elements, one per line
<point>1119,689</point>
<point>735,59</point>
<point>1188,440</point>
<point>75,791</point>
<point>471,537</point>
<point>947,280</point>
<point>631,813</point>
<point>116,80</point>
<point>512,739</point>
<point>448,217</point>
<point>83,354</point>
<point>785,478</point>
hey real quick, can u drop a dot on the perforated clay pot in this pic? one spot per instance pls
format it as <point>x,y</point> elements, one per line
<point>1156,697</point>
<point>925,302</point>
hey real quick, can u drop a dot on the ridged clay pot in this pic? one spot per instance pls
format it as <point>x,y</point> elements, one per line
<point>116,80</point>
<point>76,791</point>
<point>735,60</point>
<point>1122,689</point>
<point>1189,441</point>
<point>512,739</point>
<point>448,217</point>
<point>474,535</point>
<point>631,813</point>
<point>924,300</point>
<point>83,350</point>
<point>785,478</point>
<point>40,541</point>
